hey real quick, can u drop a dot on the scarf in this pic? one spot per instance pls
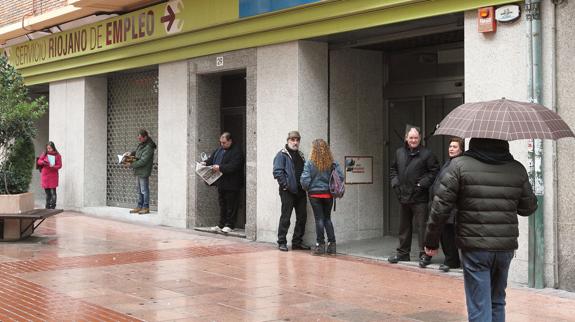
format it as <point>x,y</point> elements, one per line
<point>490,151</point>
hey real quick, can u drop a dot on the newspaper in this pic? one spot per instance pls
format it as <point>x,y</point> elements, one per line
<point>205,172</point>
<point>126,158</point>
<point>52,160</point>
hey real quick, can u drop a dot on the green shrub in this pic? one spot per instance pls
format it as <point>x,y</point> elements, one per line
<point>18,114</point>
<point>16,174</point>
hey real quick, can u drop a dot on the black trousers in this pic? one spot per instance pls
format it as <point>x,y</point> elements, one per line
<point>292,201</point>
<point>322,213</point>
<point>50,198</point>
<point>229,203</point>
<point>449,247</point>
<point>408,214</point>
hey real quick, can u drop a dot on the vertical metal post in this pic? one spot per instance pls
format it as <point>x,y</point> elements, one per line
<point>536,223</point>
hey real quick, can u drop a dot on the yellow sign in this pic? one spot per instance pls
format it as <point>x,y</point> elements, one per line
<point>162,20</point>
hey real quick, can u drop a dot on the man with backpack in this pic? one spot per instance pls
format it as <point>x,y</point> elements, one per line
<point>288,167</point>
<point>412,173</point>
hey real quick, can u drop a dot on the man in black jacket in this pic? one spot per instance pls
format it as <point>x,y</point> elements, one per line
<point>412,173</point>
<point>229,160</point>
<point>489,188</point>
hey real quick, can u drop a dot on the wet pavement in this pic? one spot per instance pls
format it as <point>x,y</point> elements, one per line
<point>81,268</point>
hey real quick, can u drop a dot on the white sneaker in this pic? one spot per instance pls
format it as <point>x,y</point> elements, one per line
<point>227,230</point>
<point>215,229</point>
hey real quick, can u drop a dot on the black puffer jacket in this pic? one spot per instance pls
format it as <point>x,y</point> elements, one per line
<point>489,189</point>
<point>435,186</point>
<point>412,174</point>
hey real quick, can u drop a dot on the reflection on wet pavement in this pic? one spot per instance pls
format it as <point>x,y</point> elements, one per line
<point>91,269</point>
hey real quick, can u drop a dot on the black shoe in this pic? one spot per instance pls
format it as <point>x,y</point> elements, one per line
<point>444,268</point>
<point>318,249</point>
<point>283,247</point>
<point>424,260</point>
<point>398,258</point>
<point>331,249</point>
<point>300,247</point>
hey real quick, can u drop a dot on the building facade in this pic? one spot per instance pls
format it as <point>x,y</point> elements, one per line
<point>352,72</point>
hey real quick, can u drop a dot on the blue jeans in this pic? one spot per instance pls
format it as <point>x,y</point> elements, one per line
<point>143,192</point>
<point>322,213</point>
<point>485,279</point>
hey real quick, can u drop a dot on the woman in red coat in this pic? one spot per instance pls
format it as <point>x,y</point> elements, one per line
<point>50,162</point>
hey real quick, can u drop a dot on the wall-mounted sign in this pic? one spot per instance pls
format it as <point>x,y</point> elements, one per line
<point>358,169</point>
<point>508,13</point>
<point>155,22</point>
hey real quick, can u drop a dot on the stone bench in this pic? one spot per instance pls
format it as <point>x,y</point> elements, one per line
<point>18,226</point>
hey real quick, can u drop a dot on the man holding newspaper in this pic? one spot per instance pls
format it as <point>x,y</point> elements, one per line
<point>227,160</point>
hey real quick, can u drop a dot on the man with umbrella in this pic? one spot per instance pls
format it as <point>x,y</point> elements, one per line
<point>490,189</point>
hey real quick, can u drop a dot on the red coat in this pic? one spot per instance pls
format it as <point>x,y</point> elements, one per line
<point>49,174</point>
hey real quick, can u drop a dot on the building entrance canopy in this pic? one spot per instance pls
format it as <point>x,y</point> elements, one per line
<point>182,29</point>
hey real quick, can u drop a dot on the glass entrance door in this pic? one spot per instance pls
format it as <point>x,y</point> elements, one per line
<point>424,112</point>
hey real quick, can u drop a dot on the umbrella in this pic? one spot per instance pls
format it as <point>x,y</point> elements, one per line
<point>504,119</point>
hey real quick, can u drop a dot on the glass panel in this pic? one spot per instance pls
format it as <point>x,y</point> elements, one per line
<point>401,113</point>
<point>436,108</point>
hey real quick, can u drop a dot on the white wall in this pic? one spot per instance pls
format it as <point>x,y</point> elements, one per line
<point>173,162</point>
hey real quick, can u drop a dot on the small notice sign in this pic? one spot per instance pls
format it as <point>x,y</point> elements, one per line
<point>358,169</point>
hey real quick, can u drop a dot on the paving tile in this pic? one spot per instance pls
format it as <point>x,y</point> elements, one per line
<point>80,268</point>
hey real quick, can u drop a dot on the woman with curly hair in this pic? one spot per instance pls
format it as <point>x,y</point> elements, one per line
<point>315,180</point>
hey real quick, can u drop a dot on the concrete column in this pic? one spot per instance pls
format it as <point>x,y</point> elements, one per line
<point>42,137</point>
<point>356,125</point>
<point>565,219</point>
<point>173,161</point>
<point>502,56</point>
<point>495,67</point>
<point>77,125</point>
<point>291,95</point>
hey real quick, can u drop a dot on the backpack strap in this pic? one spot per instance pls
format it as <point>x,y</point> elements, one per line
<point>333,165</point>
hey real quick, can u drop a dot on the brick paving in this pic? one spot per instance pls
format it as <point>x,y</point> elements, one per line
<point>80,268</point>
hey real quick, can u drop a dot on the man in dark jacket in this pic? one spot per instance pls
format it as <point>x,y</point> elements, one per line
<point>144,161</point>
<point>489,189</point>
<point>229,160</point>
<point>288,167</point>
<point>412,173</point>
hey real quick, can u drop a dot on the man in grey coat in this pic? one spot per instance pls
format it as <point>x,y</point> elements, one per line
<point>489,189</point>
